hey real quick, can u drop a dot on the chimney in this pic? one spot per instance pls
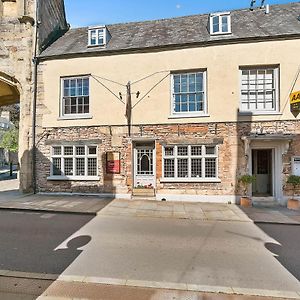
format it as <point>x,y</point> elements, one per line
<point>267,8</point>
<point>5,115</point>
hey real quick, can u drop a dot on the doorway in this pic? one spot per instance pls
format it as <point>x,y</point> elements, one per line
<point>144,164</point>
<point>262,169</point>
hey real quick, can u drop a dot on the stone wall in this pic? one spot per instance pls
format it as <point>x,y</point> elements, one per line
<point>232,160</point>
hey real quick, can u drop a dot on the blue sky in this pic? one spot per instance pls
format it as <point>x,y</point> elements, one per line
<point>96,12</point>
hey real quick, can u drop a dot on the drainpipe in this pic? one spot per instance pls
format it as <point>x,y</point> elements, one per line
<point>35,72</point>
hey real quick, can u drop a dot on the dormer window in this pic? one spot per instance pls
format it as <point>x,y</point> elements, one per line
<point>220,23</point>
<point>98,36</point>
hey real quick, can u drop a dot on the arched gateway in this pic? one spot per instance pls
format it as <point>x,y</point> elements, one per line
<point>20,42</point>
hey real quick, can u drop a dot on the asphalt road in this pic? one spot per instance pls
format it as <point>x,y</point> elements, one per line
<point>288,252</point>
<point>28,241</point>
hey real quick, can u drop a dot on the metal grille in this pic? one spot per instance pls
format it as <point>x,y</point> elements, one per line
<point>258,89</point>
<point>80,166</point>
<point>196,167</point>
<point>188,92</point>
<point>169,168</point>
<point>144,161</point>
<point>56,162</point>
<point>92,166</point>
<point>210,167</point>
<point>69,166</point>
<point>182,165</point>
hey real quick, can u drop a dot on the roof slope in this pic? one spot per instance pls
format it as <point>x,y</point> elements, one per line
<point>281,21</point>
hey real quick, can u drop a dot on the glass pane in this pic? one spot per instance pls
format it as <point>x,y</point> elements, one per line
<point>210,167</point>
<point>93,37</point>
<point>182,151</point>
<point>56,150</point>
<point>196,150</point>
<point>224,23</point>
<point>56,164</point>
<point>92,166</point>
<point>196,167</point>
<point>184,83</point>
<point>68,150</point>
<point>145,163</point>
<point>80,166</point>
<point>85,87</point>
<point>199,82</point>
<point>210,150</point>
<point>169,151</point>
<point>69,166</point>
<point>192,82</point>
<point>92,150</point>
<point>176,83</point>
<point>169,168</point>
<point>182,167</point>
<point>80,150</point>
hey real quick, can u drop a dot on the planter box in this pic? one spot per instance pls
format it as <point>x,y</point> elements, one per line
<point>245,202</point>
<point>143,192</point>
<point>293,204</point>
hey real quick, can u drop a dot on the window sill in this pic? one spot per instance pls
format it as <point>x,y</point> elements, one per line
<point>74,178</point>
<point>74,117</point>
<point>259,113</point>
<point>191,180</point>
<point>183,116</point>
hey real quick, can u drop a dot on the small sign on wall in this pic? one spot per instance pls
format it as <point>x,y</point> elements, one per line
<point>296,165</point>
<point>113,163</point>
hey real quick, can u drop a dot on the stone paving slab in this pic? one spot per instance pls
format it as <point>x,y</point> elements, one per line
<point>183,210</point>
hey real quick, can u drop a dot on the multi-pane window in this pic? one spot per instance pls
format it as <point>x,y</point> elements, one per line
<point>189,93</point>
<point>190,162</point>
<point>74,161</point>
<point>220,23</point>
<point>75,96</point>
<point>98,36</point>
<point>259,89</point>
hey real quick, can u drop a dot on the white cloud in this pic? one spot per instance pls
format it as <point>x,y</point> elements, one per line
<point>178,6</point>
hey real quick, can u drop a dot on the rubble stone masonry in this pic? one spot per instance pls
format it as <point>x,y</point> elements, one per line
<point>231,154</point>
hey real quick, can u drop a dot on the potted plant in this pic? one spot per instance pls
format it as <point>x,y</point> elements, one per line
<point>244,182</point>
<point>294,181</point>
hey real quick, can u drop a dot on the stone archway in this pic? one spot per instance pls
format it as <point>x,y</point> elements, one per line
<point>11,93</point>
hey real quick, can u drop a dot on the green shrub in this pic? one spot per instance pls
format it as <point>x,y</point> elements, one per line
<point>245,182</point>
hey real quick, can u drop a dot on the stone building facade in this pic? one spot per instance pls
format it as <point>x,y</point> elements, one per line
<point>17,49</point>
<point>198,121</point>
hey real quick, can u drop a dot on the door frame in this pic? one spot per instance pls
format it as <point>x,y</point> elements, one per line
<point>134,157</point>
<point>273,167</point>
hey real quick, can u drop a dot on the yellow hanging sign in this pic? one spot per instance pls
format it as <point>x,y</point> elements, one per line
<point>295,101</point>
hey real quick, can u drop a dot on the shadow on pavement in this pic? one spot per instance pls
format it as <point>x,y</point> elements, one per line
<point>287,253</point>
<point>29,240</point>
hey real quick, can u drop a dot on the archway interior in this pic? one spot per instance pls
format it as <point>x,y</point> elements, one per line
<point>9,93</point>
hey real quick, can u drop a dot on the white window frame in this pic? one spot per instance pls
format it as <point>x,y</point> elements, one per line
<point>276,109</point>
<point>188,114</point>
<point>189,178</point>
<point>62,156</point>
<point>97,29</point>
<point>63,115</point>
<point>219,16</point>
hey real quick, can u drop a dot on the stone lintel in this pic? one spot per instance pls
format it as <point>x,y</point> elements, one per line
<point>71,143</point>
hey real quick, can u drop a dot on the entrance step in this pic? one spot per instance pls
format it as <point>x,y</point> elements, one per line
<point>141,198</point>
<point>264,202</point>
<point>143,192</point>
